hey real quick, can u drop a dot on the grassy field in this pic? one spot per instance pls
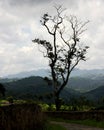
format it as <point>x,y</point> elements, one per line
<point>94,123</point>
<point>99,124</point>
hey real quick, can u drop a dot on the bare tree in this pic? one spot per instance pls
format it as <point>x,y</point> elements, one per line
<point>65,51</point>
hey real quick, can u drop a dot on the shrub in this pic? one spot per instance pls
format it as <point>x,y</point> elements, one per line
<point>10,99</point>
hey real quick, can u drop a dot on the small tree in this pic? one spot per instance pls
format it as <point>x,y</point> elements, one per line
<point>64,52</point>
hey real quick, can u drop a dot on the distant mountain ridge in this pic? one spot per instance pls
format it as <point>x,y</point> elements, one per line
<point>46,72</point>
<point>94,73</point>
<point>39,72</point>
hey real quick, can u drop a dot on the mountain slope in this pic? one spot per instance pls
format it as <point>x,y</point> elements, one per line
<point>29,88</point>
<point>85,84</point>
<point>80,80</point>
<point>95,94</point>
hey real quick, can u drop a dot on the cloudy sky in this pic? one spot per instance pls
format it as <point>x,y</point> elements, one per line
<point>19,24</point>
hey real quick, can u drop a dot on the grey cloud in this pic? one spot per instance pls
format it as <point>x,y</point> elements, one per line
<point>26,2</point>
<point>19,23</point>
<point>13,60</point>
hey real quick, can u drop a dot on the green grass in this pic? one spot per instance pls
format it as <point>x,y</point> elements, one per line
<point>93,123</point>
<point>55,127</point>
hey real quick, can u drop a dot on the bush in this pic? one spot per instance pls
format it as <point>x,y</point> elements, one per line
<point>10,99</point>
<point>21,117</point>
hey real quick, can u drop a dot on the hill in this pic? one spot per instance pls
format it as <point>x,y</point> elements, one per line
<point>80,80</point>
<point>32,87</point>
<point>81,84</point>
<point>35,86</point>
<point>85,84</point>
<point>95,94</point>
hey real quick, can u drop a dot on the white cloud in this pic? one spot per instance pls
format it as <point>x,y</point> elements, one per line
<point>19,24</point>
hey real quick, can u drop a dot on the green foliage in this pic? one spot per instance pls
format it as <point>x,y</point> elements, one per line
<point>44,106</point>
<point>20,101</point>
<point>51,107</point>
<point>4,102</point>
<point>10,99</point>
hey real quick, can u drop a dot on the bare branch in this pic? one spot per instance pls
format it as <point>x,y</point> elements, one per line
<point>78,59</point>
<point>66,42</point>
<point>82,26</point>
<point>48,29</point>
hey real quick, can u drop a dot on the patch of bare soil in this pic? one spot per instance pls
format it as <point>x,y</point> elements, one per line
<point>70,126</point>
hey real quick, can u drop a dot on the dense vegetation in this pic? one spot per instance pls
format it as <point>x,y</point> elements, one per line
<point>33,88</point>
<point>38,89</point>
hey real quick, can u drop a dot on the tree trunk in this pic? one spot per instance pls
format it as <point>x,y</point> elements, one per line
<point>57,102</point>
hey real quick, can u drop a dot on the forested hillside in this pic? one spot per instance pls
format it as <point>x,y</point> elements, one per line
<point>96,94</point>
<point>85,84</point>
<point>33,87</point>
<point>36,87</point>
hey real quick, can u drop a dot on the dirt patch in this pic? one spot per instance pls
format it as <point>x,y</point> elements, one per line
<point>70,126</point>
